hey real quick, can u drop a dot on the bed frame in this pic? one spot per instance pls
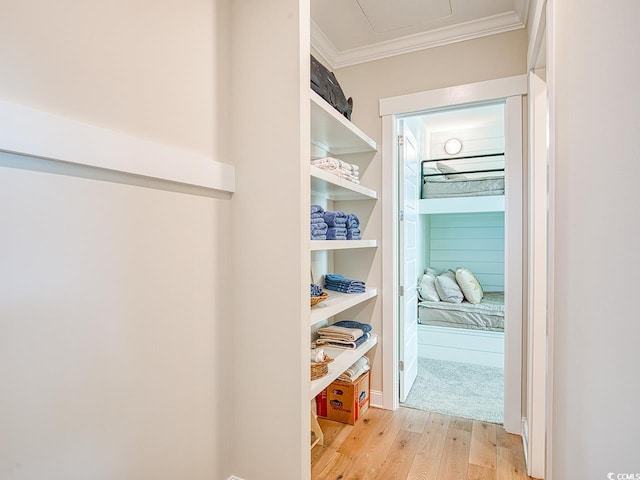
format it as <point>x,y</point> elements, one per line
<point>478,347</point>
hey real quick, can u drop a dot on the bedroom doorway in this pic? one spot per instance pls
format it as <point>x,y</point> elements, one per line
<point>506,94</point>
<point>451,226</point>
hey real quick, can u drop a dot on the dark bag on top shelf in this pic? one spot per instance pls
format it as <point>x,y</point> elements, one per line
<point>325,84</point>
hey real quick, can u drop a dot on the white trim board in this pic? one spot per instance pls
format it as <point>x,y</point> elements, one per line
<point>48,138</point>
<point>477,347</point>
<point>375,399</point>
<point>487,91</point>
<point>489,203</point>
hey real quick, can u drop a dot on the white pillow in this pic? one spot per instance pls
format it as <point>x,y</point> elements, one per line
<point>449,169</point>
<point>469,285</point>
<point>427,288</point>
<point>431,271</point>
<point>447,288</point>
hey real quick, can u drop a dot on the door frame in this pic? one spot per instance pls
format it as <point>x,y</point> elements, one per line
<point>511,90</point>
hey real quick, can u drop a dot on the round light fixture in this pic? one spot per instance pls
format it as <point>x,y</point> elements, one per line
<point>453,146</point>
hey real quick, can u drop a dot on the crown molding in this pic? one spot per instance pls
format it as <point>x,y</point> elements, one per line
<point>323,45</point>
<point>492,25</point>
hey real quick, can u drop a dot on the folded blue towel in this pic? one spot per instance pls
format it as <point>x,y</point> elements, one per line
<point>352,221</point>
<point>339,283</point>
<point>319,226</point>
<point>317,216</point>
<point>335,219</point>
<point>345,289</point>
<point>353,234</point>
<point>316,209</point>
<point>318,220</point>
<point>336,233</point>
<point>345,284</point>
<point>336,277</point>
<point>365,327</point>
<point>318,237</point>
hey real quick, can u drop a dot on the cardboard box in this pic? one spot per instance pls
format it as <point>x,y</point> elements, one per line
<point>344,402</point>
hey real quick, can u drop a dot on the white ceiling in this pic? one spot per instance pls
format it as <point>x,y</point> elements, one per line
<point>347,32</point>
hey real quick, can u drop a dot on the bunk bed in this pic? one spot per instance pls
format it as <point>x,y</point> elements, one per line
<point>447,188</point>
<point>488,315</point>
<point>463,332</point>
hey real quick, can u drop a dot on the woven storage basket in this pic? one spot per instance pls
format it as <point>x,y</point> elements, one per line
<point>321,298</point>
<point>320,369</point>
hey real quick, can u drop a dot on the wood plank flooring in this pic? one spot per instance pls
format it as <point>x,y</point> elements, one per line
<point>410,444</point>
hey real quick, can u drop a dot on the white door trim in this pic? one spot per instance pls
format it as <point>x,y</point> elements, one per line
<point>457,95</point>
<point>513,275</point>
<point>389,109</point>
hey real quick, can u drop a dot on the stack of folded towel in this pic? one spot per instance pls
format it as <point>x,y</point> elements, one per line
<point>338,167</point>
<point>318,225</point>
<point>352,373</point>
<point>338,283</point>
<point>337,225</point>
<point>353,227</point>
<point>344,334</point>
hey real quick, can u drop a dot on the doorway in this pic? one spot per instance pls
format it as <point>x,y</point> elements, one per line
<point>509,92</point>
<point>452,236</point>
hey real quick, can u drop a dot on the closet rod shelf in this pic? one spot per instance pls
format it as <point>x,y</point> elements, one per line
<point>342,359</point>
<point>339,302</point>
<point>317,245</point>
<point>332,187</point>
<point>333,132</point>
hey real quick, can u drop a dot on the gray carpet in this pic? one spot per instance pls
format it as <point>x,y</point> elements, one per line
<point>460,389</point>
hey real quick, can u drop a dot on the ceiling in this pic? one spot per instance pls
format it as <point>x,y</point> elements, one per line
<point>348,32</point>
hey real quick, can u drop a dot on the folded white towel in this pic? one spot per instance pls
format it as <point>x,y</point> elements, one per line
<point>354,371</point>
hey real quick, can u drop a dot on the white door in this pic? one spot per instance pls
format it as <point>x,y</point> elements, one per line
<point>408,217</point>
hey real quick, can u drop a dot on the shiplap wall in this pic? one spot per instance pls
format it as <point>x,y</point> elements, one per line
<point>470,240</point>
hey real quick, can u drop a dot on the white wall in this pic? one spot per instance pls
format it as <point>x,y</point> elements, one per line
<point>114,318</point>
<point>470,240</point>
<point>476,60</point>
<point>593,75</point>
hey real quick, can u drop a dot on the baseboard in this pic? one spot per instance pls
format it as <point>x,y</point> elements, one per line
<point>375,399</point>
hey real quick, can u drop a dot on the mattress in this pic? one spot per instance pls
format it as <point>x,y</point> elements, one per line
<point>467,187</point>
<point>487,315</point>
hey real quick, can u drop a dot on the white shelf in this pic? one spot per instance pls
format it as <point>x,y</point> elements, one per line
<point>342,359</point>
<point>342,244</point>
<point>488,203</point>
<point>327,185</point>
<point>333,132</point>
<point>339,302</point>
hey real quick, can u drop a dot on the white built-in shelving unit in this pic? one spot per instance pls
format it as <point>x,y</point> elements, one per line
<point>334,135</point>
<point>339,302</point>
<point>342,360</point>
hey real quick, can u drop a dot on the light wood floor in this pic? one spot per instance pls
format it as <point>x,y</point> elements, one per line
<point>412,444</point>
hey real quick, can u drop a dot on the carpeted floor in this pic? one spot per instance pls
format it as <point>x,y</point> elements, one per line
<point>459,389</point>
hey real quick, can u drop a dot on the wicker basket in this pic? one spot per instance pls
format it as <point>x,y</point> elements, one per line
<point>321,298</point>
<point>320,369</point>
